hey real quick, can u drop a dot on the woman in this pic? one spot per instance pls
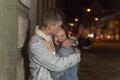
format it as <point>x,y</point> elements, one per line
<point>70,73</point>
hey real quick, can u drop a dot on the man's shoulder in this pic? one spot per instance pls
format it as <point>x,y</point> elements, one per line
<point>35,39</point>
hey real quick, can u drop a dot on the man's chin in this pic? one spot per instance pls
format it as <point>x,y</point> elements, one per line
<point>54,33</point>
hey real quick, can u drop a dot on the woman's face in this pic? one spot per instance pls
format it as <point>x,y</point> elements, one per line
<point>59,37</point>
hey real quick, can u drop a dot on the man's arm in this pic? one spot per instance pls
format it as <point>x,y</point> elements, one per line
<point>71,41</point>
<point>43,56</point>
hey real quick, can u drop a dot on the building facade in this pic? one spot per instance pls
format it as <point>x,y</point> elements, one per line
<point>18,19</point>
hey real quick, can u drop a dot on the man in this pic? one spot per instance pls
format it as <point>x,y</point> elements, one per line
<point>41,49</point>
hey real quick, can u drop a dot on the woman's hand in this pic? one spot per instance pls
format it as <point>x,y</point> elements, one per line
<point>67,43</point>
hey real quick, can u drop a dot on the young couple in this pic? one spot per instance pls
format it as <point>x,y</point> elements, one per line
<point>49,62</point>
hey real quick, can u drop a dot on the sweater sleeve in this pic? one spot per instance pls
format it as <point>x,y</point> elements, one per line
<point>40,54</point>
<point>75,43</point>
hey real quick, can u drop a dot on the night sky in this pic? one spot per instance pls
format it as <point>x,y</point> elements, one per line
<point>74,8</point>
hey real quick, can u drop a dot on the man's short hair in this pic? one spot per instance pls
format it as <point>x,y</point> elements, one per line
<point>52,15</point>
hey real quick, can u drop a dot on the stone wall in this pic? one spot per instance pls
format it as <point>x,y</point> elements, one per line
<point>18,19</point>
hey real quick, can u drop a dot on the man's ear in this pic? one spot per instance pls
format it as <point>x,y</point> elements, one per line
<point>49,28</point>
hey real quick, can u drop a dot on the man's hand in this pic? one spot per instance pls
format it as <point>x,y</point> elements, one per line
<point>67,43</point>
<point>77,50</point>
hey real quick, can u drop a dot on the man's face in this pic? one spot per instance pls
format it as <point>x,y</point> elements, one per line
<point>59,37</point>
<point>56,27</point>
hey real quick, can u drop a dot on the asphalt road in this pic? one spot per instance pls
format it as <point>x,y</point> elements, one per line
<point>101,63</point>
<point>106,44</point>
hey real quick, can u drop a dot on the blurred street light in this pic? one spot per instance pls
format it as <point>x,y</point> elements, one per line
<point>96,19</point>
<point>76,19</point>
<point>71,24</point>
<point>88,10</point>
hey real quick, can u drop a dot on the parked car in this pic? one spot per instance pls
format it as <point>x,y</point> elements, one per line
<point>87,44</point>
<point>84,43</point>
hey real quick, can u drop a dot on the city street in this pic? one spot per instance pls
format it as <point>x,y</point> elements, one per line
<point>102,62</point>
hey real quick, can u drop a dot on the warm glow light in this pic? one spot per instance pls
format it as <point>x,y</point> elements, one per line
<point>76,19</point>
<point>71,24</point>
<point>91,35</point>
<point>69,32</point>
<point>88,10</point>
<point>96,19</point>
